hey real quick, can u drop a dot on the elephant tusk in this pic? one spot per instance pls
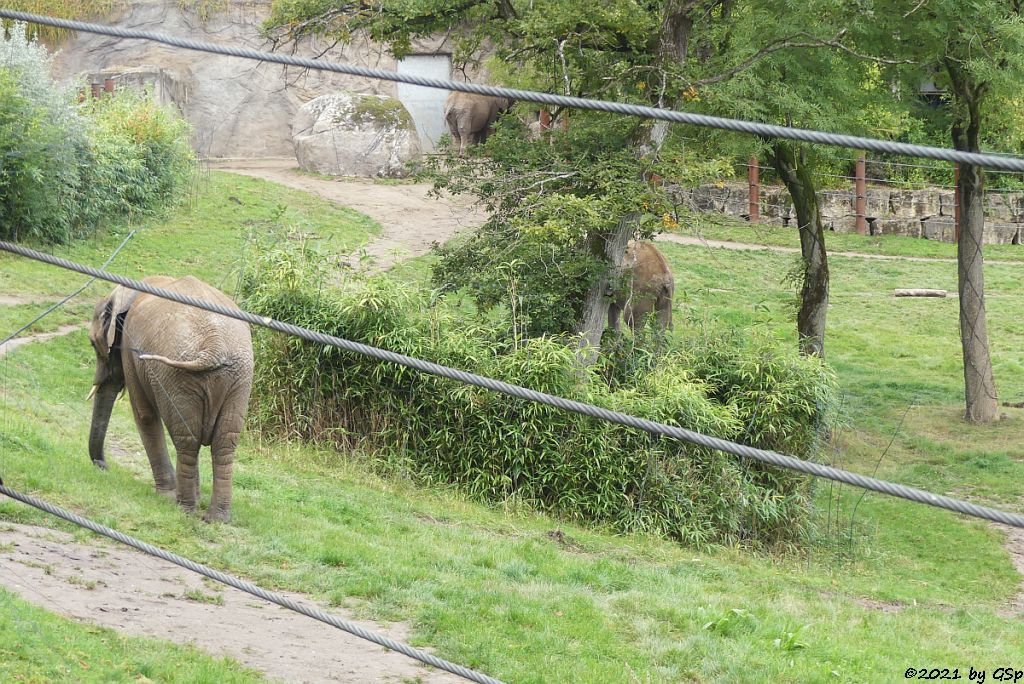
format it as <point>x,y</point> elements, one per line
<point>92,393</point>
<point>121,395</point>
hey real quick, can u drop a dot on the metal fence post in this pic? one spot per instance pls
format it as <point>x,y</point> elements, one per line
<point>956,203</point>
<point>861,195</point>
<point>108,86</point>
<point>754,191</point>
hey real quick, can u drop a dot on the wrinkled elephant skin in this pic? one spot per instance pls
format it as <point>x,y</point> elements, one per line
<point>651,287</point>
<point>470,117</point>
<point>183,368</point>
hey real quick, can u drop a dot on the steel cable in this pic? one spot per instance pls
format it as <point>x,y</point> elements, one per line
<point>994,161</point>
<point>652,427</point>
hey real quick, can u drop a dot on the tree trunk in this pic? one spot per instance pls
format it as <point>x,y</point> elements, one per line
<point>673,45</point>
<point>611,248</point>
<point>810,321</point>
<point>979,382</point>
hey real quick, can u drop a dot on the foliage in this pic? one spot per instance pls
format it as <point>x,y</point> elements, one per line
<point>42,140</point>
<point>139,157</point>
<point>68,168</point>
<point>497,448</point>
<point>83,10</point>
<point>535,254</point>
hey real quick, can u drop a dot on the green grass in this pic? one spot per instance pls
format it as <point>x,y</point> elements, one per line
<point>720,227</point>
<point>528,598</point>
<point>207,238</point>
<point>38,647</point>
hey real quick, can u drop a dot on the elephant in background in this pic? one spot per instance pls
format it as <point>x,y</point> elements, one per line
<point>470,117</point>
<point>183,367</point>
<point>651,287</point>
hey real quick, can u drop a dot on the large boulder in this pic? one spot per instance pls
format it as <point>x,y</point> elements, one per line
<point>349,134</point>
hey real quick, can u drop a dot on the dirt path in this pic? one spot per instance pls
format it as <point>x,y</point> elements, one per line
<point>39,337</point>
<point>410,220</point>
<point>118,587</point>
<point>1014,544</point>
<point>743,246</point>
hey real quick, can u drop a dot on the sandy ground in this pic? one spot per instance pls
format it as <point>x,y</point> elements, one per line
<point>1014,544</point>
<point>115,586</point>
<point>411,222</point>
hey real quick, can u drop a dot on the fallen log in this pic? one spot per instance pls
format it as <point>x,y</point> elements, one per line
<point>918,292</point>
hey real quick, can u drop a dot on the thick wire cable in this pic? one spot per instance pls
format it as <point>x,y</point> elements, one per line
<point>741,450</point>
<point>993,161</point>
<point>250,588</point>
<point>68,298</point>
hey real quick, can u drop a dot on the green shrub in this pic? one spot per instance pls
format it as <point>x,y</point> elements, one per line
<point>139,157</point>
<point>41,145</point>
<point>65,168</point>
<point>498,448</point>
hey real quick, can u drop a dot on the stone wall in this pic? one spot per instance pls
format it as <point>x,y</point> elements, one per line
<point>924,214</point>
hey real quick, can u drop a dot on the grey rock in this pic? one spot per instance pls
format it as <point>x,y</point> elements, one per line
<point>349,134</point>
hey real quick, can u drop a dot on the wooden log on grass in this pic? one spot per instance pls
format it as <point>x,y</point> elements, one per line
<point>918,292</point>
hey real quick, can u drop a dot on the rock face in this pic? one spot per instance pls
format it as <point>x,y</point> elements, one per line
<point>237,108</point>
<point>348,134</point>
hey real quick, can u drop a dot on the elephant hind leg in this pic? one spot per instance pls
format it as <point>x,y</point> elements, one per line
<point>188,471</point>
<point>223,450</point>
<point>664,306</point>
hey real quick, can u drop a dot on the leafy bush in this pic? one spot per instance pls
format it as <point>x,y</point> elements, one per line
<point>139,157</point>
<point>41,143</point>
<point>65,168</point>
<point>497,448</point>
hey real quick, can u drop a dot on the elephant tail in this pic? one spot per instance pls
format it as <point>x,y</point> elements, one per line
<point>200,364</point>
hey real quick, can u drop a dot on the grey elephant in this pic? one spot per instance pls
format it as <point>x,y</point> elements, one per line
<point>183,367</point>
<point>651,287</point>
<point>470,117</point>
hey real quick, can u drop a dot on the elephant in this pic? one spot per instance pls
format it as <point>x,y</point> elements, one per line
<point>651,287</point>
<point>182,367</point>
<point>470,117</point>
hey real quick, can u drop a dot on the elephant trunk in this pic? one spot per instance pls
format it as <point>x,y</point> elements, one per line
<point>102,407</point>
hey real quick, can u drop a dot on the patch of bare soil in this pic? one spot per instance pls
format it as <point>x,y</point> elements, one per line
<point>410,220</point>
<point>1015,546</point>
<point>39,337</point>
<point>115,586</point>
<point>15,300</point>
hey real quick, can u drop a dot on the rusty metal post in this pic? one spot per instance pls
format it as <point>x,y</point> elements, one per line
<point>545,119</point>
<point>861,195</point>
<point>956,203</point>
<point>754,191</point>
<point>108,86</point>
<point>96,90</point>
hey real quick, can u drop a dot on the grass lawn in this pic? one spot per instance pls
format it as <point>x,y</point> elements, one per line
<point>493,588</point>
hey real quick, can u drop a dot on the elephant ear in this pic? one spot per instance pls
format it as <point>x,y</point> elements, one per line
<point>114,312</point>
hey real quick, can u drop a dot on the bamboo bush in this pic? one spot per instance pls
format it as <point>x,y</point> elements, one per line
<point>497,448</point>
